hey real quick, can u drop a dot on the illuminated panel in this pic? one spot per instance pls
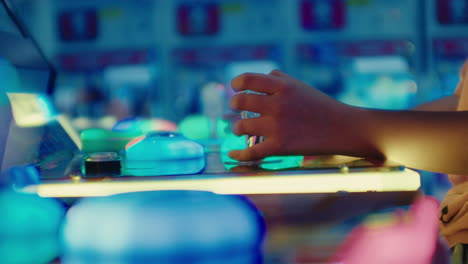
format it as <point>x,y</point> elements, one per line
<point>403,180</point>
<point>31,110</point>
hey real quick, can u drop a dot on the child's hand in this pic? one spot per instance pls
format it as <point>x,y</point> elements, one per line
<point>295,118</point>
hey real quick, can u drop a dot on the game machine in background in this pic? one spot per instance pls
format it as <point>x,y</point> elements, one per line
<point>361,52</point>
<point>209,38</point>
<point>108,59</point>
<point>447,41</point>
<point>447,38</point>
<point>364,53</point>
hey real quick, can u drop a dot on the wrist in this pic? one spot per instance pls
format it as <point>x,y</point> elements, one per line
<point>359,135</point>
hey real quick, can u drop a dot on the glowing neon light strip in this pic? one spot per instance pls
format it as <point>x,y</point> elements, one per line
<point>405,180</point>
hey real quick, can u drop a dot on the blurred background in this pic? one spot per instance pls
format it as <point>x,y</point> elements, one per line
<point>171,62</point>
<point>166,59</point>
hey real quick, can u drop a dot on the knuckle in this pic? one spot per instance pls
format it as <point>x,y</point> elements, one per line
<point>275,72</point>
<point>247,78</point>
<point>240,82</point>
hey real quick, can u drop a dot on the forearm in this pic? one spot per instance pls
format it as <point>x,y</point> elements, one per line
<point>447,103</point>
<point>433,141</point>
<point>298,119</point>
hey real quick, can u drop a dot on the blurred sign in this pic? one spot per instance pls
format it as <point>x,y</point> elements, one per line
<point>455,47</point>
<point>452,12</point>
<point>320,15</point>
<point>108,25</point>
<point>314,52</point>
<point>78,25</point>
<point>198,19</point>
<point>220,55</point>
<point>89,60</point>
<point>449,55</point>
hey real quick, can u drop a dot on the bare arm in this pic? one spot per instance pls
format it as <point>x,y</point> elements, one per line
<point>432,141</point>
<point>447,103</point>
<point>298,119</point>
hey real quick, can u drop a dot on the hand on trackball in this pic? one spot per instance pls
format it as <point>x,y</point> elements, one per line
<point>295,118</point>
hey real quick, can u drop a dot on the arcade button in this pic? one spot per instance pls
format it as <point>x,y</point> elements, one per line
<point>29,228</point>
<point>102,164</point>
<point>163,153</point>
<point>163,227</point>
<point>199,127</point>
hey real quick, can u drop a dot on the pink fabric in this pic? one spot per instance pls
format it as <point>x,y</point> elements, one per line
<point>410,238</point>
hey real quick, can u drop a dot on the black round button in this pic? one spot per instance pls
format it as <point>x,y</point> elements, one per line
<point>101,164</point>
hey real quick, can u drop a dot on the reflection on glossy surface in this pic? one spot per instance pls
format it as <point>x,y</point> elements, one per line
<point>31,110</point>
<point>232,142</point>
<point>163,153</point>
<point>141,125</point>
<point>163,227</point>
<point>29,226</point>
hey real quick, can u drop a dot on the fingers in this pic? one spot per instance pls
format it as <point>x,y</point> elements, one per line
<point>250,126</point>
<point>249,102</point>
<point>256,152</point>
<point>278,73</point>
<point>258,82</point>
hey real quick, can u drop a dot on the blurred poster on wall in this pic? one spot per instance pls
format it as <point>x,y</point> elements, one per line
<point>323,15</point>
<point>452,12</point>
<point>78,25</point>
<point>198,19</point>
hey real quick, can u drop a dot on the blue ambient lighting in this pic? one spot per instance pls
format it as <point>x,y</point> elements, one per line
<point>29,228</point>
<point>163,227</point>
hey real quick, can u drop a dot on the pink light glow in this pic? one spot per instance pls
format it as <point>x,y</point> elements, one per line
<point>411,238</point>
<point>163,125</point>
<point>134,141</point>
